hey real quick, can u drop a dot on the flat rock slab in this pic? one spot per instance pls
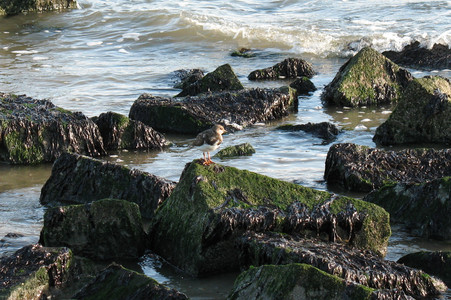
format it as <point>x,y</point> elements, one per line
<point>234,110</point>
<point>324,130</point>
<point>362,169</point>
<point>80,179</point>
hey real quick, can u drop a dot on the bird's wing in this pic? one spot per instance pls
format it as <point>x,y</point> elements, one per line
<point>200,139</point>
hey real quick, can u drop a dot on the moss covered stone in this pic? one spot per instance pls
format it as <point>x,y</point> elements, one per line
<point>368,78</point>
<point>14,7</point>
<point>303,85</point>
<point>423,115</point>
<point>213,205</point>
<point>437,263</point>
<point>245,149</point>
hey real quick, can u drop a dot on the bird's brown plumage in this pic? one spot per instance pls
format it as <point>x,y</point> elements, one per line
<point>209,140</point>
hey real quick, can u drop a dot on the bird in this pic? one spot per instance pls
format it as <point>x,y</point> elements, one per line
<point>209,140</point>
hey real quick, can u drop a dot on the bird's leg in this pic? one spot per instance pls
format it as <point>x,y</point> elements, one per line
<point>209,158</point>
<point>205,162</point>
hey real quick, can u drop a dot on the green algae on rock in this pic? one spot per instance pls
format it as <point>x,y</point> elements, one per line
<point>437,263</point>
<point>289,68</point>
<point>211,206</point>
<point>368,78</point>
<point>423,115</point>
<point>424,208</point>
<point>14,7</point>
<point>102,230</point>
<point>245,149</point>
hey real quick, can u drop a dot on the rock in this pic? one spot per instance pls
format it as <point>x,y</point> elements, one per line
<point>116,282</point>
<point>245,149</point>
<point>14,7</point>
<point>324,130</point>
<point>424,208</point>
<point>368,78</point>
<point>415,56</point>
<point>423,115</point>
<point>243,52</point>
<point>234,110</point>
<point>303,85</point>
<point>362,169</point>
<point>437,263</point>
<point>102,230</point>
<point>119,132</point>
<point>187,77</point>
<point>35,131</point>
<point>351,264</point>
<point>221,79</point>
<point>289,68</point>
<point>212,206</point>
<point>294,281</point>
<point>30,271</point>
<point>80,179</point>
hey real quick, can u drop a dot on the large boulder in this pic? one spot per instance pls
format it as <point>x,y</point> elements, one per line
<point>34,131</point>
<point>362,169</point>
<point>351,264</point>
<point>324,130</point>
<point>423,115</point>
<point>119,132</point>
<point>289,68</point>
<point>116,282</point>
<point>221,79</point>
<point>368,78</point>
<point>212,206</point>
<point>437,263</point>
<point>14,7</point>
<point>80,179</point>
<point>425,208</point>
<point>105,229</point>
<point>234,110</point>
<point>417,56</point>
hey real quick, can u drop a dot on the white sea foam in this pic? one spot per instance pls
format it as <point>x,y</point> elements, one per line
<point>386,112</point>
<point>94,43</point>
<point>360,127</point>
<point>366,120</point>
<point>24,52</point>
<point>40,58</point>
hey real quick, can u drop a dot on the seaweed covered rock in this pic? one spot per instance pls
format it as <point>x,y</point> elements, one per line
<point>30,271</point>
<point>212,206</point>
<point>245,149</point>
<point>294,281</point>
<point>104,229</point>
<point>417,56</point>
<point>423,115</point>
<point>187,77</point>
<point>116,282</point>
<point>424,208</point>
<point>234,110</point>
<point>289,68</point>
<point>14,7</point>
<point>437,263</point>
<point>221,79</point>
<point>80,179</point>
<point>368,78</point>
<point>119,132</point>
<point>303,85</point>
<point>243,52</point>
<point>352,264</point>
<point>34,131</point>
<point>362,169</point>
<point>324,130</point>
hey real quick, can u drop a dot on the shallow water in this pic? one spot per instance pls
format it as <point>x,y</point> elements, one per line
<point>102,56</point>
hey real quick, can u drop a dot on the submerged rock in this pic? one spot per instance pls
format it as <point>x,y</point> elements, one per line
<point>245,149</point>
<point>104,229</point>
<point>360,168</point>
<point>424,208</point>
<point>116,282</point>
<point>423,115</point>
<point>289,68</point>
<point>212,206</point>
<point>187,77</point>
<point>221,79</point>
<point>416,56</point>
<point>234,110</point>
<point>437,263</point>
<point>80,179</point>
<point>303,85</point>
<point>368,78</point>
<point>243,52</point>
<point>324,130</point>
<point>35,131</point>
<point>14,7</point>
<point>119,132</point>
<point>354,265</point>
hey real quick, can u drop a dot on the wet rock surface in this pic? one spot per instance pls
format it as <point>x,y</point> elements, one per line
<point>417,56</point>
<point>19,6</point>
<point>185,78</point>
<point>119,132</point>
<point>360,168</point>
<point>324,130</point>
<point>116,282</point>
<point>424,208</point>
<point>34,131</point>
<point>289,68</point>
<point>234,110</point>
<point>423,114</point>
<point>362,267</point>
<point>368,78</point>
<point>245,149</point>
<point>102,230</point>
<point>303,85</point>
<point>80,179</point>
